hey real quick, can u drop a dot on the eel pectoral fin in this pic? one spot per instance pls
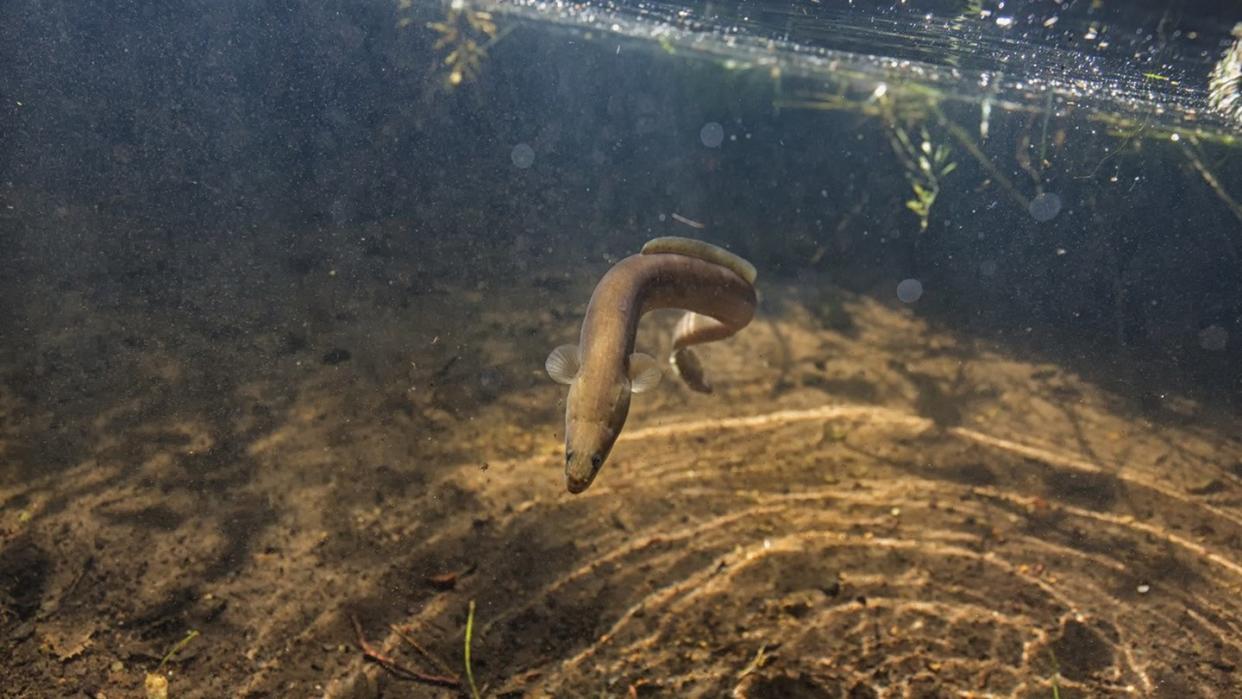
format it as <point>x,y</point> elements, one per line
<point>563,364</point>
<point>645,372</point>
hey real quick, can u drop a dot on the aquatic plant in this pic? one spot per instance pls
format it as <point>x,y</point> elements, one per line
<point>930,165</point>
<point>1054,679</point>
<point>964,139</point>
<point>1225,81</point>
<point>467,34</point>
<point>1189,150</point>
<point>474,690</point>
<point>971,8</point>
<point>904,107</point>
<point>155,683</point>
<point>925,166</point>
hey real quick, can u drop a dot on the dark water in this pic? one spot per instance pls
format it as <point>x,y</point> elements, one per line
<point>278,280</point>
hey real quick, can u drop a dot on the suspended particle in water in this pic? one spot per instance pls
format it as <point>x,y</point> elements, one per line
<point>1045,207</point>
<point>523,156</point>
<point>712,134</point>
<point>909,290</point>
<point>341,211</point>
<point>491,383</point>
<point>987,268</point>
<point>1213,338</point>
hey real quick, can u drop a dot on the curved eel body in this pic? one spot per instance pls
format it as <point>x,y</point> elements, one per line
<point>715,286</point>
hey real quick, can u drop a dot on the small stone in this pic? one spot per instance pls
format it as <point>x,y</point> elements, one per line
<point>335,356</point>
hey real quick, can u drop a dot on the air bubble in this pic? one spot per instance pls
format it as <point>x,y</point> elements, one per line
<point>909,290</point>
<point>1045,207</point>
<point>523,156</point>
<point>712,134</point>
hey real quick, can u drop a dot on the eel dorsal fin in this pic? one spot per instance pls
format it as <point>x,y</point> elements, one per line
<point>703,251</point>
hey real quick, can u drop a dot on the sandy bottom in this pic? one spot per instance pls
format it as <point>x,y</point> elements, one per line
<point>866,507</point>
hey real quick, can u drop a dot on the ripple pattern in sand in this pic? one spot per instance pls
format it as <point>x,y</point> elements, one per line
<point>856,551</point>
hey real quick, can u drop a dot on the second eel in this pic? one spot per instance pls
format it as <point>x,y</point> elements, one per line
<point>714,286</point>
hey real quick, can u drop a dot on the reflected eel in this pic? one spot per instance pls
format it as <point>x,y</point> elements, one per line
<point>716,289</point>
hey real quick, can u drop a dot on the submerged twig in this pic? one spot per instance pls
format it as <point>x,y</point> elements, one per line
<point>757,662</point>
<point>688,221</point>
<point>1043,138</point>
<point>373,654</point>
<point>968,143</point>
<point>1210,178</point>
<point>1212,182</point>
<point>440,664</point>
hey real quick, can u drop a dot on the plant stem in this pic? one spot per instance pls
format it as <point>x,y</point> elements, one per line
<point>474,691</point>
<point>965,140</point>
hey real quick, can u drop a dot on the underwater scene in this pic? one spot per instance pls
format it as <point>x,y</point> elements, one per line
<point>617,348</point>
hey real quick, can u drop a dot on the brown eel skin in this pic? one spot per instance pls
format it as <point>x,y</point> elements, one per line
<point>716,288</point>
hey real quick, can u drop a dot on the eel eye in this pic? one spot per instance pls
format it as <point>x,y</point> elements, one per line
<point>596,460</point>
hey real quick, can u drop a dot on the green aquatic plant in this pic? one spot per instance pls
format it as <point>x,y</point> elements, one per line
<point>466,33</point>
<point>1056,674</point>
<point>155,683</point>
<point>474,690</point>
<point>177,648</point>
<point>1225,82</point>
<point>971,8</point>
<point>908,109</point>
<point>905,102</point>
<point>925,166</point>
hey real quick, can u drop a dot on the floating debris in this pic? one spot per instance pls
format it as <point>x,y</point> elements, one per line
<point>1045,207</point>
<point>689,222</point>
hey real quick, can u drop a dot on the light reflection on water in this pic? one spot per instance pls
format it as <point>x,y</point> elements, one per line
<point>1126,66</point>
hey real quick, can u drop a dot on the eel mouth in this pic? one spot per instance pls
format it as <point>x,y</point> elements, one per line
<point>580,475</point>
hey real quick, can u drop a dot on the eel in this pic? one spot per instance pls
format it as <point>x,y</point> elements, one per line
<point>716,289</point>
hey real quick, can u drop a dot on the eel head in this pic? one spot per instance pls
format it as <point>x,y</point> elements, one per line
<point>596,408</point>
<point>589,436</point>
